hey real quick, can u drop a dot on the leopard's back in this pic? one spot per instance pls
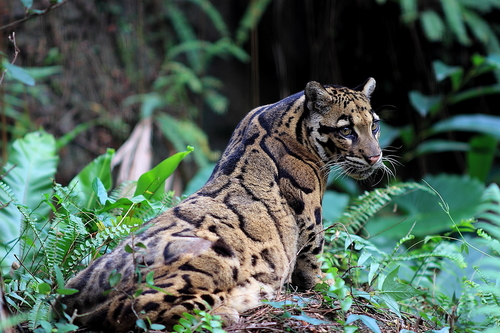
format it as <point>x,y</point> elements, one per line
<point>255,225</point>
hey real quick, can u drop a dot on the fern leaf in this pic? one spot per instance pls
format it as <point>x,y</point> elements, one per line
<point>489,211</point>
<point>39,312</point>
<point>214,16</point>
<point>369,203</point>
<point>185,33</point>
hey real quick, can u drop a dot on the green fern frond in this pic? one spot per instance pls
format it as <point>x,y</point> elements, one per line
<point>8,192</point>
<point>63,238</point>
<point>489,211</point>
<point>214,16</point>
<point>103,240</point>
<point>32,240</point>
<point>456,257</point>
<point>184,31</point>
<point>369,203</point>
<point>40,311</point>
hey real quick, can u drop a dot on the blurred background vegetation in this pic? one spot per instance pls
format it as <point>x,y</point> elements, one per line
<point>154,76</point>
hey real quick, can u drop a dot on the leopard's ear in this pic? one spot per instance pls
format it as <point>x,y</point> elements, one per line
<point>318,99</point>
<point>367,87</point>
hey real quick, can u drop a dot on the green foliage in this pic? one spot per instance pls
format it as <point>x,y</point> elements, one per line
<point>57,229</point>
<point>423,138</point>
<point>451,272</point>
<point>199,322</point>
<point>183,85</point>
<point>27,176</point>
<point>19,86</point>
<point>458,20</point>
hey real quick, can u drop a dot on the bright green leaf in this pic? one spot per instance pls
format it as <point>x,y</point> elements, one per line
<point>152,183</point>
<point>423,104</point>
<point>440,146</point>
<point>474,93</point>
<point>141,324</point>
<point>453,15</point>
<point>150,278</point>
<point>368,321</point>
<point>397,290</point>
<point>66,291</point>
<point>432,25</point>
<point>100,168</point>
<point>19,74</point>
<point>481,155</point>
<point>27,3</point>
<point>32,166</point>
<point>100,191</point>
<point>480,123</point>
<point>114,278</point>
<point>444,71</point>
<point>59,276</point>
<point>44,288</point>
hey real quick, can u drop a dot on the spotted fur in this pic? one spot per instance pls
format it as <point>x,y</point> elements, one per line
<point>255,225</point>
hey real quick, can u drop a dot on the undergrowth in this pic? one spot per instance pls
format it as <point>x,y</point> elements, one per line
<point>447,281</point>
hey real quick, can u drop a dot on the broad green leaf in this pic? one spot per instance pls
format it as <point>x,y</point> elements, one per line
<point>475,92</point>
<point>151,184</point>
<point>443,71</point>
<point>141,324</point>
<point>480,123</point>
<point>157,327</point>
<point>368,321</point>
<point>114,278</point>
<point>30,171</point>
<point>59,276</point>
<point>423,104</point>
<point>409,10</point>
<point>424,210</point>
<point>44,288</point>
<point>453,15</point>
<point>81,185</point>
<point>150,278</point>
<point>19,74</point>
<point>481,155</point>
<point>432,25</point>
<point>66,291</point>
<point>397,290</point>
<point>100,191</point>
<point>478,26</point>
<point>388,134</point>
<point>27,3</point>
<point>440,146</point>
<point>334,204</point>
<point>65,327</point>
<point>494,59</point>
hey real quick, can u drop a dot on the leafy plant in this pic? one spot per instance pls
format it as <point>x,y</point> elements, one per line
<point>425,137</point>
<point>62,228</point>
<point>184,84</point>
<point>459,20</point>
<point>199,322</point>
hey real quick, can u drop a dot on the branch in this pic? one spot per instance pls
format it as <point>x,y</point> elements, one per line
<point>12,39</point>
<point>34,14</point>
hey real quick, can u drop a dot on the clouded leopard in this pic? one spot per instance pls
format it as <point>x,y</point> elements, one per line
<point>255,225</point>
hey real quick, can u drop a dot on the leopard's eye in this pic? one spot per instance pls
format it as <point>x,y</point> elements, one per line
<point>345,131</point>
<point>375,126</point>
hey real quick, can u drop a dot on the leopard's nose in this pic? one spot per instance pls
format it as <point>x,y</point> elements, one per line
<point>374,159</point>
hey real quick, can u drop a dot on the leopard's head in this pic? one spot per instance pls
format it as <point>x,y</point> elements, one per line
<point>344,128</point>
